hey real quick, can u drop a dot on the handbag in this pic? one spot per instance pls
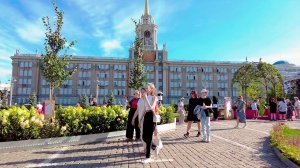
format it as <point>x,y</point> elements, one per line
<point>156,118</point>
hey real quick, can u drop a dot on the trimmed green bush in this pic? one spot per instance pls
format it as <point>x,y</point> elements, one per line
<point>17,123</point>
<point>78,121</point>
<point>167,114</point>
<point>287,140</point>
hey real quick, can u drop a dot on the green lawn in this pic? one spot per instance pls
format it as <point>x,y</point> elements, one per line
<point>287,140</point>
<point>291,133</point>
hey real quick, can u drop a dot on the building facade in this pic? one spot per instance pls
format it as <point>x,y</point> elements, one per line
<point>175,78</point>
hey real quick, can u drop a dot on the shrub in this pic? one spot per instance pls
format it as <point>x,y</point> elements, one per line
<point>92,120</point>
<point>167,114</point>
<point>287,141</point>
<point>18,123</point>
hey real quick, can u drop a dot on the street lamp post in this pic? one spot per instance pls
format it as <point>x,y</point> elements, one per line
<point>11,90</point>
<point>97,89</point>
<point>159,97</point>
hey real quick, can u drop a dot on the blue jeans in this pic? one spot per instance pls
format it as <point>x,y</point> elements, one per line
<point>205,122</point>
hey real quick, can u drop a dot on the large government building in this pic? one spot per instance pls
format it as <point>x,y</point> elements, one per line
<point>175,79</point>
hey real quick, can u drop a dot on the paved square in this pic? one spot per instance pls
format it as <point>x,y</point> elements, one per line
<point>230,147</point>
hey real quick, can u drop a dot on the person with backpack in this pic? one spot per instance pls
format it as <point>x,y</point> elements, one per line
<point>282,109</point>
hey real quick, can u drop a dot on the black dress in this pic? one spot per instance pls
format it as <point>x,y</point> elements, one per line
<point>273,107</point>
<point>193,102</point>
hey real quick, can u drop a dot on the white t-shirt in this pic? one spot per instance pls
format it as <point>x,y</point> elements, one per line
<point>254,106</point>
<point>39,107</point>
<point>150,99</point>
<point>141,108</point>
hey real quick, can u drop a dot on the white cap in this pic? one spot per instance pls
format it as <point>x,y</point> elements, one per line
<point>204,90</point>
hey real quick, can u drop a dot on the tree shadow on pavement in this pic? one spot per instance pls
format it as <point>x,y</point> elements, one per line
<point>106,159</point>
<point>86,148</point>
<point>267,154</point>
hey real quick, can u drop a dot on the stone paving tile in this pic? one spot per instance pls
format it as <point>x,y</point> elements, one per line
<point>229,148</point>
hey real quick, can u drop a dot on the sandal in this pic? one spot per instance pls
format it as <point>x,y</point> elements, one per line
<point>186,135</point>
<point>198,134</point>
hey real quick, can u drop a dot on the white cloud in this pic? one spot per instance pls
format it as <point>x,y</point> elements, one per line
<point>110,45</point>
<point>5,74</point>
<point>291,55</point>
<point>5,71</point>
<point>31,32</point>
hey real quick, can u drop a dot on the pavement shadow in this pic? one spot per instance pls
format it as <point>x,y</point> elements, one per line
<point>112,159</point>
<point>267,154</point>
<point>96,149</point>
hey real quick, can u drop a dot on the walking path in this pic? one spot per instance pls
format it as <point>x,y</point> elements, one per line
<point>229,147</point>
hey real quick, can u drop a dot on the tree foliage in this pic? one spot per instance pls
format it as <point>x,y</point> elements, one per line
<point>258,80</point>
<point>244,76</point>
<point>268,76</point>
<point>3,98</point>
<point>84,102</point>
<point>111,99</point>
<point>55,62</point>
<point>32,99</point>
<point>293,88</point>
<point>137,76</point>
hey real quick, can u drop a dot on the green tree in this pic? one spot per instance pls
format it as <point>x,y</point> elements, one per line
<point>32,99</point>
<point>268,75</point>
<point>254,90</point>
<point>293,88</point>
<point>55,63</point>
<point>111,99</point>
<point>243,77</point>
<point>137,76</point>
<point>84,102</point>
<point>3,98</point>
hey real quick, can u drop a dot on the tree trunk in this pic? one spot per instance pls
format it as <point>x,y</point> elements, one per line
<point>51,99</point>
<point>266,92</point>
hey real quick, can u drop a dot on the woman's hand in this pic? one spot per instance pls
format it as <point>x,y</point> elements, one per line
<point>133,122</point>
<point>204,107</point>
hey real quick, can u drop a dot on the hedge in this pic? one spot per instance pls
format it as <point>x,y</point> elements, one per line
<point>19,123</point>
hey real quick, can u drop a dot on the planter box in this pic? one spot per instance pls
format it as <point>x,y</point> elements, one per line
<point>167,127</point>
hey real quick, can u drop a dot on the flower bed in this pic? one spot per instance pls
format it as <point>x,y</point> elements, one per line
<point>287,140</point>
<point>19,123</point>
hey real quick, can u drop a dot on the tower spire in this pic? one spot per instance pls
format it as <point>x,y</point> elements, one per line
<point>146,13</point>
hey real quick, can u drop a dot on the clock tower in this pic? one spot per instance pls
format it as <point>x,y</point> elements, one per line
<point>147,31</point>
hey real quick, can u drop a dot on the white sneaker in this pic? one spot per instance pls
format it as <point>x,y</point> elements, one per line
<point>147,160</point>
<point>208,139</point>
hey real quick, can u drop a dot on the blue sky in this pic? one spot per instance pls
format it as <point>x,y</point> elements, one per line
<point>223,30</point>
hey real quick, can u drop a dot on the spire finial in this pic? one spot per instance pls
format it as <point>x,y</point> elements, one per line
<point>146,13</point>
